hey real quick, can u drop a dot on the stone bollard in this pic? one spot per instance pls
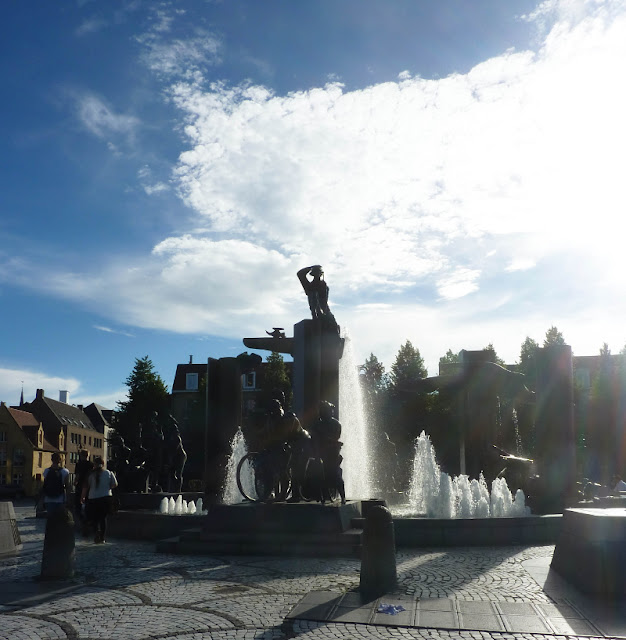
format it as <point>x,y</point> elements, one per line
<point>378,558</point>
<point>10,541</point>
<point>57,561</point>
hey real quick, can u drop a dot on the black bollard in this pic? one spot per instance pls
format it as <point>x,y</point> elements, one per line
<point>378,558</point>
<point>57,561</point>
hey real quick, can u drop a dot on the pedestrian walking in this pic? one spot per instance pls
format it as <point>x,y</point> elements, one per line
<point>98,494</point>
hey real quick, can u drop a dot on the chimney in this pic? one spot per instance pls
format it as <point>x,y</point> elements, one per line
<point>79,406</point>
<point>64,396</point>
<point>190,359</point>
<point>39,394</point>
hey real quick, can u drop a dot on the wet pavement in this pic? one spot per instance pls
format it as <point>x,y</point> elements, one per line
<point>125,590</point>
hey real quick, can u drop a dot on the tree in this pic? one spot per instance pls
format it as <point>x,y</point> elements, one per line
<point>553,336</point>
<point>450,357</point>
<point>374,386</point>
<point>407,368</point>
<point>146,393</point>
<point>496,358</point>
<point>528,361</point>
<point>275,377</point>
<point>372,374</point>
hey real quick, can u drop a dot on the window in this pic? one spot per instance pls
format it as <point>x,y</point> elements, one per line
<point>3,457</point>
<point>90,440</point>
<point>3,436</point>
<point>18,457</point>
<point>40,437</point>
<point>191,382</point>
<point>17,478</point>
<point>249,380</point>
<point>2,479</point>
<point>40,460</point>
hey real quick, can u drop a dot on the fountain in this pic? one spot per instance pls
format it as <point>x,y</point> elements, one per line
<point>434,494</point>
<point>238,449</point>
<point>357,457</point>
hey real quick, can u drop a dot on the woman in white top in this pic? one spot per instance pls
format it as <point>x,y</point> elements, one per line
<point>99,496</point>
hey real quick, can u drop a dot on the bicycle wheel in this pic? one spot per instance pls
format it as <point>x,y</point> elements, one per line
<point>246,492</point>
<point>282,486</point>
<point>264,483</point>
<point>312,486</point>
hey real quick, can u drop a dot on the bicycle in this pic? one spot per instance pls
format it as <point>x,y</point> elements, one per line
<point>316,486</point>
<point>271,475</point>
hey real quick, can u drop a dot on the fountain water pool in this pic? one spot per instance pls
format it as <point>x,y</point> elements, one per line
<point>434,494</point>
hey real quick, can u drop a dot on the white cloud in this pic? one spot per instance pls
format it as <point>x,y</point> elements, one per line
<point>90,25</point>
<point>428,199</point>
<point>101,120</point>
<point>116,331</point>
<point>11,381</point>
<point>168,56</point>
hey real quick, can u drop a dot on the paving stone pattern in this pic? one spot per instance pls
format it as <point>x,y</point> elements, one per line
<point>124,590</point>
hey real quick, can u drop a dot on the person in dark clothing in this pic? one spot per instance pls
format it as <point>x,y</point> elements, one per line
<point>325,435</point>
<point>99,496</point>
<point>83,468</point>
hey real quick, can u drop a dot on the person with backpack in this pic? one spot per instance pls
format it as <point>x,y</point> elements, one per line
<point>55,485</point>
<point>98,492</point>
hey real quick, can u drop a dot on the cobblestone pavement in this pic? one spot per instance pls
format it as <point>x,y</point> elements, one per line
<point>124,590</point>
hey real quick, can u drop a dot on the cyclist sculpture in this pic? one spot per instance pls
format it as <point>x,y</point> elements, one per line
<point>325,435</point>
<point>280,463</point>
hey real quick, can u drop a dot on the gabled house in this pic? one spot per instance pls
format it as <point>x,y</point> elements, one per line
<point>24,450</point>
<point>101,418</point>
<point>66,427</point>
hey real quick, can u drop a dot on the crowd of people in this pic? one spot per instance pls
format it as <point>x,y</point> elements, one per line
<point>93,492</point>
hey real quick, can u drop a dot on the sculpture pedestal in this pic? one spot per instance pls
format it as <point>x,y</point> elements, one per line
<point>591,553</point>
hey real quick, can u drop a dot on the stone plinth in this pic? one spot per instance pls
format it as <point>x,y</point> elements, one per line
<point>591,551</point>
<point>10,541</point>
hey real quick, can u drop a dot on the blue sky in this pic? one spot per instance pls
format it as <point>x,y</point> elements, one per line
<point>167,167</point>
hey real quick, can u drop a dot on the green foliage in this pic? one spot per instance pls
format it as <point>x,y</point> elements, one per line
<point>407,368</point>
<point>496,358</point>
<point>275,376</point>
<point>450,357</point>
<point>553,336</point>
<point>372,375</point>
<point>528,361</point>
<point>146,393</point>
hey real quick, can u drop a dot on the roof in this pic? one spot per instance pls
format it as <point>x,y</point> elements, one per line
<point>100,416</point>
<point>180,379</point>
<point>31,433</point>
<point>23,418</point>
<point>69,415</point>
<point>30,426</point>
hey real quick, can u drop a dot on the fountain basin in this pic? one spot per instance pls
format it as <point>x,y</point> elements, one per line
<point>457,532</point>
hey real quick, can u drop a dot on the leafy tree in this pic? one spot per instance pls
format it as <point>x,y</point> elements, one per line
<point>275,376</point>
<point>553,336</point>
<point>146,393</point>
<point>496,358</point>
<point>372,374</point>
<point>450,357</point>
<point>528,361</point>
<point>407,368</point>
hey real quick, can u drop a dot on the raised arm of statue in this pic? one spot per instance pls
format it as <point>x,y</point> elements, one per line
<point>316,289</point>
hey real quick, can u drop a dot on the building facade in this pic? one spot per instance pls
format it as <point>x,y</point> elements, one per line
<point>66,427</point>
<point>24,450</point>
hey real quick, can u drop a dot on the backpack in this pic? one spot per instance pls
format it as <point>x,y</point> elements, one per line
<point>53,483</point>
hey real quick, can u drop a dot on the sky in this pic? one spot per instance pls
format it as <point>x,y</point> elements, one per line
<point>167,168</point>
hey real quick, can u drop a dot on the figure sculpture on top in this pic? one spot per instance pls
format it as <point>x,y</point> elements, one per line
<point>316,290</point>
<point>175,456</point>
